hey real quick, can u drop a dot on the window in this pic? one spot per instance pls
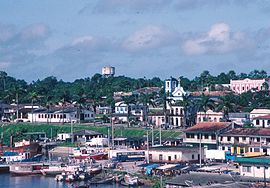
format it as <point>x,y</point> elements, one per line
<point>38,115</point>
<point>258,167</point>
<point>268,122</point>
<point>176,111</point>
<point>213,136</point>
<point>215,119</point>
<point>169,158</point>
<point>223,148</point>
<point>150,157</point>
<point>160,157</point>
<point>244,139</point>
<point>175,157</point>
<point>181,111</point>
<point>246,168</point>
<point>258,139</point>
<point>65,116</point>
<point>256,149</point>
<point>192,156</point>
<point>177,124</point>
<point>206,136</point>
<point>229,138</point>
<point>257,122</point>
<point>199,119</point>
<point>221,138</point>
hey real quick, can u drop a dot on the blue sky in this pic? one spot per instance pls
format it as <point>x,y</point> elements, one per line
<point>142,38</point>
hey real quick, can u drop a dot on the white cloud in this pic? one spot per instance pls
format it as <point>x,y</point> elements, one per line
<point>149,37</point>
<point>219,39</point>
<point>34,32</point>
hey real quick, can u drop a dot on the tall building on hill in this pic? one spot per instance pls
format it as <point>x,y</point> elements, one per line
<point>173,89</point>
<point>108,71</point>
<point>241,86</point>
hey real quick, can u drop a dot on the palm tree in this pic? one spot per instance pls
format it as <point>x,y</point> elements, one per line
<point>227,104</point>
<point>65,98</point>
<point>80,100</point>
<point>206,103</point>
<point>34,97</point>
<point>3,76</point>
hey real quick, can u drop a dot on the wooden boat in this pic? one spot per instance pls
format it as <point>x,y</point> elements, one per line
<point>101,180</point>
<point>27,168</point>
<point>130,181</point>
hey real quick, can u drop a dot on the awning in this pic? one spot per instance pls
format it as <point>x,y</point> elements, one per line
<point>164,167</point>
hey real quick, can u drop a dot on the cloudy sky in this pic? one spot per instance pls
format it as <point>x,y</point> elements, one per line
<point>73,39</point>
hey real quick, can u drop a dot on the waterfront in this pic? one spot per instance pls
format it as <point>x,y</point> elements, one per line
<point>8,181</point>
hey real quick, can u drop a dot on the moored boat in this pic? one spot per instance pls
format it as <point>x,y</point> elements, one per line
<point>22,169</point>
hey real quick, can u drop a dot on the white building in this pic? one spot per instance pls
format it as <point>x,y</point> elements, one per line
<point>261,121</point>
<point>60,115</point>
<point>138,111</point>
<point>256,167</point>
<point>63,136</point>
<point>209,116</point>
<point>108,71</point>
<point>174,154</point>
<point>176,116</point>
<point>259,112</point>
<point>174,90</point>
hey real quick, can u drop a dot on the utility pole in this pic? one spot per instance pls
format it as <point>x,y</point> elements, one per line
<point>264,176</point>
<point>112,132</point>
<point>160,134</point>
<point>200,147</point>
<point>147,146</point>
<point>51,133</point>
<point>108,136</point>
<point>17,104</point>
<point>71,130</point>
<point>153,135</point>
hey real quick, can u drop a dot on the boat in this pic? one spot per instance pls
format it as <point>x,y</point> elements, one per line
<point>88,153</point>
<point>4,168</point>
<point>101,180</point>
<point>27,168</point>
<point>54,170</point>
<point>118,178</point>
<point>94,170</point>
<point>130,181</point>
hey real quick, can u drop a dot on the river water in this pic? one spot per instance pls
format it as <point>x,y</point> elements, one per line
<point>8,181</point>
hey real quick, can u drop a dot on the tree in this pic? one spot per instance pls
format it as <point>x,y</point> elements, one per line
<point>206,103</point>
<point>33,97</point>
<point>227,104</point>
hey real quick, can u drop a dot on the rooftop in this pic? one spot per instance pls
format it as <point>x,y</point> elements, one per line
<point>260,111</point>
<point>248,131</point>
<point>172,148</point>
<point>86,132</point>
<point>208,127</point>
<point>263,160</point>
<point>263,117</point>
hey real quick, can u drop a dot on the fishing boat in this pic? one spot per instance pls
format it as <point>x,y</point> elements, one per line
<point>101,180</point>
<point>54,170</point>
<point>27,168</point>
<point>130,181</point>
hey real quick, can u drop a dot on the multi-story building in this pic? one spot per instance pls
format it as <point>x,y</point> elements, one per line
<point>174,90</point>
<point>206,133</point>
<point>245,140</point>
<point>209,116</point>
<point>241,86</point>
<point>59,115</point>
<point>138,111</point>
<point>156,117</point>
<point>108,71</point>
<point>261,121</point>
<point>175,116</point>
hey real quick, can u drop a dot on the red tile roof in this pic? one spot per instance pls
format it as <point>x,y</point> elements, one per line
<point>208,127</point>
<point>248,132</point>
<point>263,117</point>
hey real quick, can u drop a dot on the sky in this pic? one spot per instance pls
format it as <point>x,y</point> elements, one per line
<point>73,39</point>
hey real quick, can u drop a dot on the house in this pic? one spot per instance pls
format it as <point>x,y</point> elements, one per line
<point>261,121</point>
<point>20,110</point>
<point>174,90</point>
<point>174,154</point>
<point>241,86</point>
<point>63,136</point>
<point>206,133</point>
<point>209,116</point>
<point>86,135</point>
<point>60,115</point>
<point>240,118</point>
<point>104,110</point>
<point>138,111</point>
<point>259,112</point>
<point>258,167</point>
<point>156,117</point>
<point>245,140</point>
